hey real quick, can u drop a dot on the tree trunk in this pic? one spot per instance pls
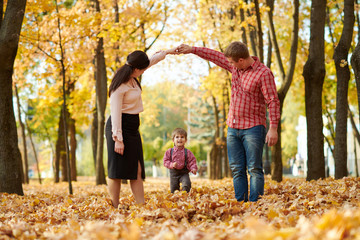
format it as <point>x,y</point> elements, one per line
<point>252,35</point>
<point>65,93</point>
<point>269,52</point>
<point>10,157</point>
<point>101,98</point>
<point>286,79</point>
<point>226,167</point>
<point>276,163</point>
<point>355,63</point>
<point>356,159</point>
<point>63,162</point>
<point>243,30</point>
<point>211,161</point>
<point>219,165</point>
<point>116,20</point>
<point>94,135</point>
<point>73,145</point>
<point>260,44</point>
<point>270,4</point>
<point>72,133</point>
<point>59,149</point>
<point>34,150</point>
<point>355,60</point>
<point>267,163</point>
<point>314,73</point>
<point>25,165</point>
<point>343,77</point>
<point>214,158</point>
<point>356,137</point>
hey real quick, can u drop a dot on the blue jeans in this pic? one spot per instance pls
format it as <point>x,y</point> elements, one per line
<point>245,149</point>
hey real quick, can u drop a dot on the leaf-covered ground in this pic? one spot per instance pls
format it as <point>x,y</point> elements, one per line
<point>292,209</point>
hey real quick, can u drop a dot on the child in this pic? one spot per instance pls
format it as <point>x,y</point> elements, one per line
<point>180,161</point>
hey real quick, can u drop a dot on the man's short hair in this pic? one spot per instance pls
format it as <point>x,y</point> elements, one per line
<point>179,131</point>
<point>237,50</point>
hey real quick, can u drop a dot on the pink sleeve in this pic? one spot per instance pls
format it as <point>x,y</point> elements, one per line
<point>167,160</point>
<point>157,57</point>
<point>191,161</point>
<point>116,103</point>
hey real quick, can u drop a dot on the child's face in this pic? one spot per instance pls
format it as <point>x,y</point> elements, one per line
<point>179,140</point>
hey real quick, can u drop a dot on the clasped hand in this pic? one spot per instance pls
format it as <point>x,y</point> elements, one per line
<point>182,49</point>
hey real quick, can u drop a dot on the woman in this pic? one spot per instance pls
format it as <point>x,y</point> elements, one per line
<point>125,154</point>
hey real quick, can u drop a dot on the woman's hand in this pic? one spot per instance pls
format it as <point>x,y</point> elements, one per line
<point>119,147</point>
<point>172,51</point>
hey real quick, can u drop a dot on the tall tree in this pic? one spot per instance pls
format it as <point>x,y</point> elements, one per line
<point>356,138</point>
<point>286,79</point>
<point>34,150</point>
<point>25,168</point>
<point>57,49</point>
<point>101,97</point>
<point>64,106</point>
<point>355,61</point>
<point>10,157</point>
<point>343,77</point>
<point>260,45</point>
<point>314,73</point>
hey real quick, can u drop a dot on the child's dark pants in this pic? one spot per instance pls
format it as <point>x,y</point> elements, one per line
<point>179,176</point>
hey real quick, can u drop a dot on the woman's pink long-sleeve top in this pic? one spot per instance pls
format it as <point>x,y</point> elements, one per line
<point>127,99</point>
<point>178,156</point>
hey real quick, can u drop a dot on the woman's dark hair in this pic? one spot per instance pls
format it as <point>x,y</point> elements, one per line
<point>135,60</point>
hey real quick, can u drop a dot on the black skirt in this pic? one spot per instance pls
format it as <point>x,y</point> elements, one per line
<point>125,166</point>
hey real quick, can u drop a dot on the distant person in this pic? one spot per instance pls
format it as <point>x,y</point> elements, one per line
<point>203,168</point>
<point>125,153</point>
<point>180,161</point>
<point>252,89</point>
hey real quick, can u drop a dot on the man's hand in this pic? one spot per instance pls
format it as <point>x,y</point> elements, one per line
<point>119,147</point>
<point>184,49</point>
<point>193,172</point>
<point>271,137</point>
<point>174,164</point>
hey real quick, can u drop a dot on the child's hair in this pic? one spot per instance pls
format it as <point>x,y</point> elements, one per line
<point>179,131</point>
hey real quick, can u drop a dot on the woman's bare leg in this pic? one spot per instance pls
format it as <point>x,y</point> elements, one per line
<point>137,187</point>
<point>114,186</point>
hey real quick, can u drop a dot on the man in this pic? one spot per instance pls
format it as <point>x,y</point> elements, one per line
<point>252,89</point>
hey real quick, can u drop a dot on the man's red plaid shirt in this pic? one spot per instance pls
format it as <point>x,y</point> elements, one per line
<point>251,90</point>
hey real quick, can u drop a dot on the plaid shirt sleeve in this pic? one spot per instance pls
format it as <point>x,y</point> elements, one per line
<point>268,88</point>
<point>213,56</point>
